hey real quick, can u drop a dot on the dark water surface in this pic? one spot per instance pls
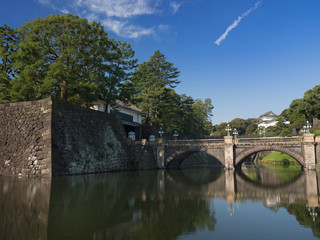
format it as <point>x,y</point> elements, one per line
<point>188,204</point>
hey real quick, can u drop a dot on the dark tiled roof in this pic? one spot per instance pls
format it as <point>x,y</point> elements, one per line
<point>268,114</point>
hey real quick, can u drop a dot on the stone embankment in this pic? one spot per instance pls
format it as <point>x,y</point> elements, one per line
<point>50,137</point>
<point>25,138</point>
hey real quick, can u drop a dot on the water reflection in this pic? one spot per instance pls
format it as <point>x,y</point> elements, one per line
<point>270,177</point>
<point>123,206</point>
<point>147,204</point>
<point>24,208</point>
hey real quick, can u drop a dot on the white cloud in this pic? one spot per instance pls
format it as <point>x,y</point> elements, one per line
<point>124,29</point>
<point>64,11</point>
<point>44,2</point>
<point>175,6</point>
<point>116,15</point>
<point>236,22</point>
<point>119,8</point>
<point>163,28</point>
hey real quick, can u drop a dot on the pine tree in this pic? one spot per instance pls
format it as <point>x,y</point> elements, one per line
<point>8,46</point>
<point>150,82</point>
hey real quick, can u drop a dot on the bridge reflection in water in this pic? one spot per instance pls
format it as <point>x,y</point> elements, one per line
<point>141,205</point>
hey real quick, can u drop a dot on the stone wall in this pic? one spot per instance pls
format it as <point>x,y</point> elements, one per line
<point>87,141</point>
<point>25,138</point>
<point>143,154</point>
<point>50,137</point>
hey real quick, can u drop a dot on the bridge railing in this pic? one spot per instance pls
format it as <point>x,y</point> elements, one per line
<point>195,141</point>
<point>221,141</point>
<point>270,139</point>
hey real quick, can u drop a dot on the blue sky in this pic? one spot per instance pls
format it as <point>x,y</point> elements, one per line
<point>248,56</point>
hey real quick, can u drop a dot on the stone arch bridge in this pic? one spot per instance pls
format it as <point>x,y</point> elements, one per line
<point>232,152</point>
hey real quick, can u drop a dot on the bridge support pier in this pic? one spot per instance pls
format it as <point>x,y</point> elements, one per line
<point>228,152</point>
<point>160,153</point>
<point>309,151</point>
<point>312,188</point>
<point>230,186</point>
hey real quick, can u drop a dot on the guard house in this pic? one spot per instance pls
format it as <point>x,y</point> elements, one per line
<point>129,114</point>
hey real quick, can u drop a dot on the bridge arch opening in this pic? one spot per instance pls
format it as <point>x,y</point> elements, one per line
<point>196,177</point>
<point>266,157</point>
<point>193,159</point>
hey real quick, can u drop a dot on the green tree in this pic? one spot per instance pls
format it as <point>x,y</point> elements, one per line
<point>117,73</point>
<point>150,82</point>
<point>59,55</point>
<point>8,46</point>
<point>240,125</point>
<point>311,101</point>
<point>202,113</point>
<point>251,129</point>
<point>73,59</point>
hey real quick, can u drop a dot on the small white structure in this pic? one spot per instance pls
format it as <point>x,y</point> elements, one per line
<point>129,114</point>
<point>268,119</point>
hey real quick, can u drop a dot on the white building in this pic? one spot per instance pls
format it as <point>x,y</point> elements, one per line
<point>268,119</point>
<point>129,114</point>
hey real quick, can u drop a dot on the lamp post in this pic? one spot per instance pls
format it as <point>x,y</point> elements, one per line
<point>176,135</point>
<point>161,132</point>
<point>312,213</point>
<point>235,133</point>
<point>262,132</point>
<point>228,129</point>
<point>306,128</point>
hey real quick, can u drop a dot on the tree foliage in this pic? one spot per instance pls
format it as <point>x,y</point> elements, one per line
<point>70,58</point>
<point>303,109</point>
<point>152,87</point>
<point>8,46</point>
<point>244,127</point>
<point>152,81</point>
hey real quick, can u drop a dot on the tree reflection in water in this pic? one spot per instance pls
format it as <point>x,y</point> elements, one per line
<point>125,206</point>
<point>271,176</point>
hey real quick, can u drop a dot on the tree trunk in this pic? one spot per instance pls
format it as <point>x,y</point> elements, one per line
<point>63,91</point>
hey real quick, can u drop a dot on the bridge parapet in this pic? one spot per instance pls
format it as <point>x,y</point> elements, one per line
<point>270,139</point>
<point>194,142</point>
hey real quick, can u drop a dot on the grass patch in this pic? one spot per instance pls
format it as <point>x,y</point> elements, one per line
<point>278,158</point>
<point>316,132</point>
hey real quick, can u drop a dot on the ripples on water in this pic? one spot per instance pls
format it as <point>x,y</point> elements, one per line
<point>205,203</point>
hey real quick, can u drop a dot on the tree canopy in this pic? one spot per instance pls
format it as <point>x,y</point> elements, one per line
<point>70,58</point>
<point>8,46</point>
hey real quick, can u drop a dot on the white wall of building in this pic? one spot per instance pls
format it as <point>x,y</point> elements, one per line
<point>267,118</point>
<point>101,106</point>
<point>269,124</point>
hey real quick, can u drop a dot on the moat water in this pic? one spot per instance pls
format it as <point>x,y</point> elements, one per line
<point>204,203</point>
